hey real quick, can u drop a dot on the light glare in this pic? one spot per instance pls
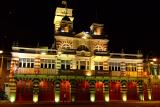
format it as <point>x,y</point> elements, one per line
<point>154,59</point>
<point>1,51</point>
<point>124,97</point>
<point>92,97</point>
<point>57,97</point>
<point>12,98</point>
<point>107,97</point>
<point>35,98</point>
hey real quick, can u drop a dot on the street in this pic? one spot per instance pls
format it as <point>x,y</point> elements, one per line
<point>110,104</point>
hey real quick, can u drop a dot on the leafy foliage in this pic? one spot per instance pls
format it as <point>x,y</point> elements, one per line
<point>3,96</point>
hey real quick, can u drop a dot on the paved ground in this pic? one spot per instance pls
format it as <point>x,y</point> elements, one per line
<point>110,104</point>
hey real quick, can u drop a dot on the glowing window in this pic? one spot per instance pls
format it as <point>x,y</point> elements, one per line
<point>65,64</point>
<point>26,62</point>
<point>83,65</point>
<point>114,66</point>
<point>47,63</point>
<point>131,67</point>
<point>98,65</point>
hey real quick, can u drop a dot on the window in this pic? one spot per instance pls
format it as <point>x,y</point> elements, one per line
<point>114,66</point>
<point>83,65</point>
<point>66,46</point>
<point>87,65</point>
<point>24,65</point>
<point>98,65</point>
<point>48,63</point>
<point>63,67</point>
<point>26,62</point>
<point>7,85</point>
<point>49,66</point>
<point>131,67</point>
<point>98,48</point>
<point>32,65</point>
<point>20,64</point>
<point>65,64</point>
<point>77,64</point>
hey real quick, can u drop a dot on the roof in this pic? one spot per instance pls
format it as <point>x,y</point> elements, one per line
<point>83,35</point>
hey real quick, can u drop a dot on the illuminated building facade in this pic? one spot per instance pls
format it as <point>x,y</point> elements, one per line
<point>78,68</point>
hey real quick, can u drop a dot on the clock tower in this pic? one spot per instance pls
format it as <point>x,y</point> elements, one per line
<point>63,20</point>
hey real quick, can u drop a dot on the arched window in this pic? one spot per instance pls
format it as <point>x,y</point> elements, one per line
<point>82,48</point>
<point>66,46</point>
<point>98,48</point>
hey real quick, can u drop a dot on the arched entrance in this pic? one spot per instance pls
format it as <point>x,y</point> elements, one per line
<point>65,90</point>
<point>132,93</point>
<point>46,91</point>
<point>156,92</point>
<point>99,86</point>
<point>145,92</point>
<point>24,91</point>
<point>115,91</point>
<point>82,91</point>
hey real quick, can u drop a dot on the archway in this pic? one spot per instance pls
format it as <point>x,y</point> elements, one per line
<point>46,91</point>
<point>115,91</point>
<point>82,91</point>
<point>145,92</point>
<point>132,93</point>
<point>24,91</point>
<point>99,86</point>
<point>65,89</point>
<point>156,92</point>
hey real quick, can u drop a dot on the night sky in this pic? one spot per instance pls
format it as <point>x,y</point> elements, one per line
<point>129,24</point>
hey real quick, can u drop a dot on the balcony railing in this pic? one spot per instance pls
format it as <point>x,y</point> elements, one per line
<point>25,71</point>
<point>31,71</point>
<point>69,51</point>
<point>83,53</point>
<point>128,74</point>
<point>71,72</point>
<point>101,53</point>
<point>48,71</point>
<point>84,72</point>
<point>102,73</point>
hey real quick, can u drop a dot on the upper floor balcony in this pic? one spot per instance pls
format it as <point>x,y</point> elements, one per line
<point>74,72</point>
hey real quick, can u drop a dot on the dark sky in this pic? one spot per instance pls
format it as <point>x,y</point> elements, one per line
<point>129,24</point>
